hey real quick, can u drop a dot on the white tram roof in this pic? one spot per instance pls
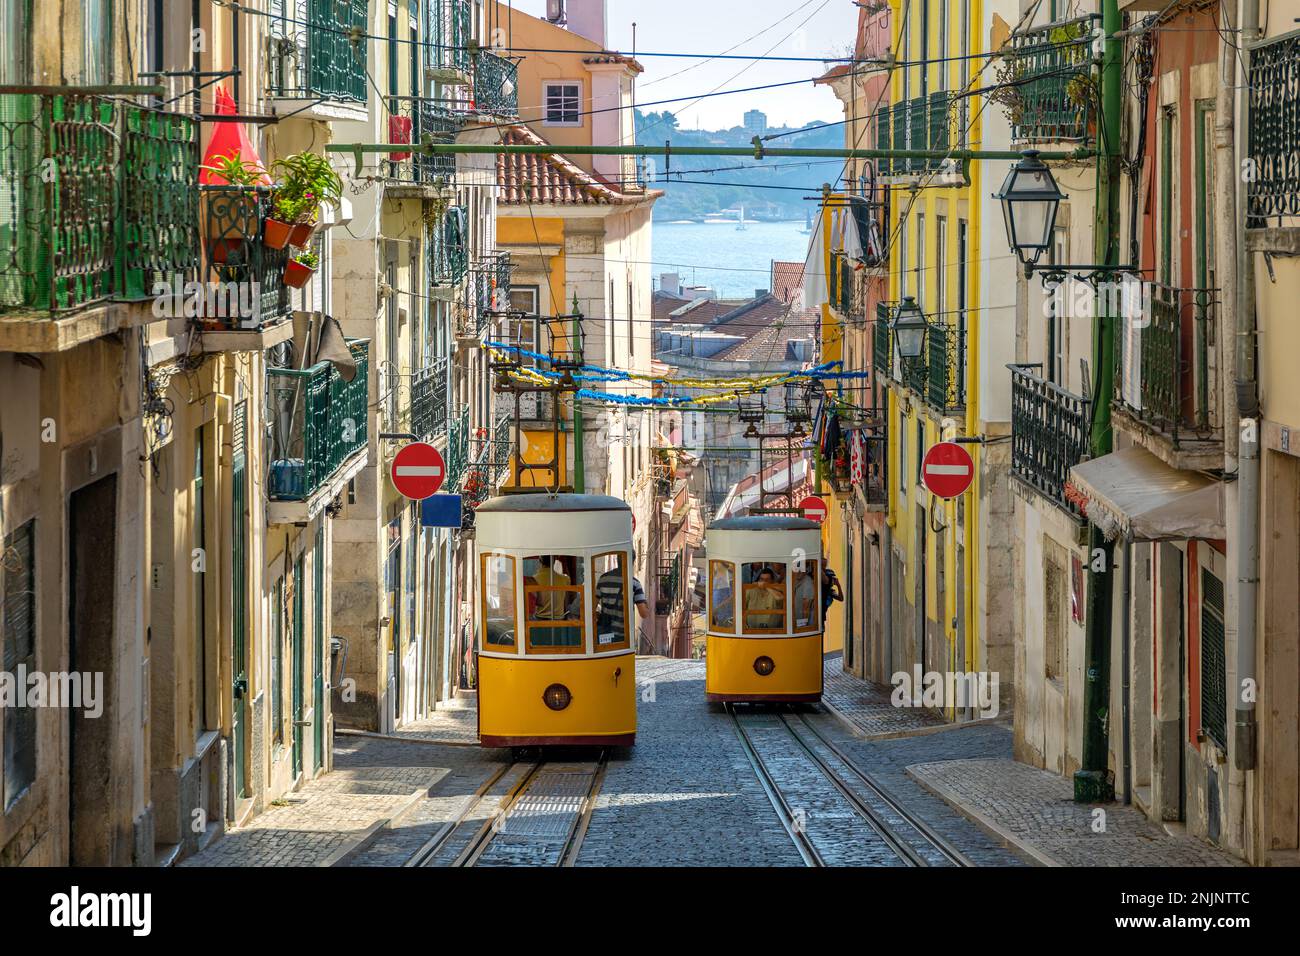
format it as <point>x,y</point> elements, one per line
<point>551,504</point>
<point>554,524</point>
<point>765,523</point>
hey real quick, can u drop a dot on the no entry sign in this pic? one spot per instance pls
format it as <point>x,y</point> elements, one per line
<point>813,508</point>
<point>418,471</point>
<point>947,469</point>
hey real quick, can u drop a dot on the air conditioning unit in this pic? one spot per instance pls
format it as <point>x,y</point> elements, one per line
<point>555,11</point>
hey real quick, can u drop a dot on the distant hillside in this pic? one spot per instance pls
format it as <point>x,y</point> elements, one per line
<point>704,193</point>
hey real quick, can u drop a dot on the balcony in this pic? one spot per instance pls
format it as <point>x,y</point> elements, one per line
<point>491,461</point>
<point>120,218</point>
<point>458,450</point>
<point>922,123</point>
<point>882,341</point>
<point>496,85</point>
<point>318,435</point>
<point>243,279</point>
<point>946,367</point>
<point>1047,83</point>
<point>451,28</point>
<point>429,400</point>
<point>1167,379</point>
<point>317,51</point>
<point>841,286</point>
<point>419,120</point>
<point>487,290</point>
<point>1273,193</point>
<point>670,584</point>
<point>1050,432</point>
<point>448,245</point>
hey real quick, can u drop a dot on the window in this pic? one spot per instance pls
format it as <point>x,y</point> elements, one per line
<point>499,619</point>
<point>392,49</point>
<point>612,610</point>
<point>199,606</point>
<point>920,258</point>
<point>941,269</point>
<point>803,588</point>
<point>902,451</point>
<point>1056,329</point>
<point>97,34</point>
<point>277,640</point>
<point>563,102</point>
<point>18,650</point>
<point>631,327</point>
<point>1167,174</point>
<point>942,53</point>
<point>962,259</point>
<point>553,600</point>
<point>722,597</point>
<point>1214,665</point>
<point>14,17</point>
<point>764,597</point>
<point>1054,616</point>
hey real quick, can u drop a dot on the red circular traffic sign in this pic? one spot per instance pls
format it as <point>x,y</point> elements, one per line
<point>418,471</point>
<point>947,469</point>
<point>813,508</point>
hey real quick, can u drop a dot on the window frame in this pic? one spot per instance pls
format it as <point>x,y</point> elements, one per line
<point>626,643</point>
<point>579,622</point>
<point>483,608</point>
<point>816,625</point>
<point>10,724</point>
<point>547,86</point>
<point>735,578</point>
<point>745,588</point>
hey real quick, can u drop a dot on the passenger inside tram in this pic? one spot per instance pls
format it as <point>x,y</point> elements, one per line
<point>553,588</point>
<point>805,594</point>
<point>724,598</point>
<point>765,598</point>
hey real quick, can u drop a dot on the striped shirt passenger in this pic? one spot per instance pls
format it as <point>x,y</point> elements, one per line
<point>612,622</point>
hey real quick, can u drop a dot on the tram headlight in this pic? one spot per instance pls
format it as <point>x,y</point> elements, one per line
<point>764,665</point>
<point>557,697</point>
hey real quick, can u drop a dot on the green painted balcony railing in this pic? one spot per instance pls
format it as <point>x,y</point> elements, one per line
<point>449,247</point>
<point>457,450</point>
<point>946,366</point>
<point>419,120</point>
<point>317,50</point>
<point>318,422</point>
<point>1049,433</point>
<point>451,28</point>
<point>1162,370</point>
<point>1050,87</point>
<point>882,342</point>
<point>922,122</point>
<point>496,84</point>
<point>429,399</point>
<point>670,579</point>
<point>247,274</point>
<point>97,201</point>
<point>1273,192</point>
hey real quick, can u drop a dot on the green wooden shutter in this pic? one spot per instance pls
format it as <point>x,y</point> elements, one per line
<point>1214,673</point>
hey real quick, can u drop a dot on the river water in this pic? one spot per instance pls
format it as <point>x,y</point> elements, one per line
<point>734,262</point>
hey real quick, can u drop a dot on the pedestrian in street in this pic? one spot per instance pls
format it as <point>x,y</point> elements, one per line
<point>831,591</point>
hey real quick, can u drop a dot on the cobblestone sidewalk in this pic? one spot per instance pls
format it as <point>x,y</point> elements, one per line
<point>866,707</point>
<point>1034,811</point>
<point>319,823</point>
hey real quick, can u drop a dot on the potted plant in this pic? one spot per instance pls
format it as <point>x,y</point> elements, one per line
<point>307,180</point>
<point>299,270</point>
<point>232,215</point>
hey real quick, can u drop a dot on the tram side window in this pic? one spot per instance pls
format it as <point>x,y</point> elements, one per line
<point>722,602</point>
<point>764,597</point>
<point>613,610</point>
<point>498,600</point>
<point>553,596</point>
<point>803,590</point>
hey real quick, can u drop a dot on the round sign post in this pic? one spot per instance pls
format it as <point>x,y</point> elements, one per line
<point>947,470</point>
<point>418,471</point>
<point>813,508</point>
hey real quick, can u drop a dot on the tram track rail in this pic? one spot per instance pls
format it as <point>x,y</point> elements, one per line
<point>907,838</point>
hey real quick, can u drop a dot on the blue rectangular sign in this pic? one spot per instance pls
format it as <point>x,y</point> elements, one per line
<point>440,511</point>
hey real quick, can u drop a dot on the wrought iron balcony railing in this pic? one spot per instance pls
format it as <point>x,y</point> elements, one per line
<point>1048,84</point>
<point>915,372</point>
<point>486,291</point>
<point>451,30</point>
<point>429,396</point>
<point>457,449</point>
<point>882,341</point>
<point>418,120</point>
<point>492,454</point>
<point>317,50</point>
<point>243,278</point>
<point>842,285</point>
<point>1049,433</point>
<point>97,201</point>
<point>1163,369</point>
<point>922,122</point>
<point>946,348</point>
<point>496,84</point>
<point>670,584</point>
<point>317,423</point>
<point>448,245</point>
<point>1273,191</point>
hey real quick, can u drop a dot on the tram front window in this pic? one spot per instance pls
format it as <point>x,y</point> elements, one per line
<point>612,605</point>
<point>803,587</point>
<point>553,592</point>
<point>722,613</point>
<point>498,600</point>
<point>764,590</point>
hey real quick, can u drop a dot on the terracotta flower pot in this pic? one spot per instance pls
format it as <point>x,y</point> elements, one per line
<point>297,275</point>
<point>275,234</point>
<point>223,249</point>
<point>301,234</point>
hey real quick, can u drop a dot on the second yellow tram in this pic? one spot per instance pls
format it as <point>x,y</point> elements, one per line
<point>557,628</point>
<point>764,638</point>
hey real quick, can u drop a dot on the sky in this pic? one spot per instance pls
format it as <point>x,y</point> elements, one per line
<point>713,26</point>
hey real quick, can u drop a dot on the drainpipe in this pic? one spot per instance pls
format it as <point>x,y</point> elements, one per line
<point>1244,731</point>
<point>887,574</point>
<point>1126,630</point>
<point>1092,783</point>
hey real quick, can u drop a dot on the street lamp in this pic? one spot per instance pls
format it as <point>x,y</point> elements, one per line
<point>908,326</point>
<point>1030,199</point>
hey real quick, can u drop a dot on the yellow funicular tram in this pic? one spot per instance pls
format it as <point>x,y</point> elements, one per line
<point>764,638</point>
<point>556,623</point>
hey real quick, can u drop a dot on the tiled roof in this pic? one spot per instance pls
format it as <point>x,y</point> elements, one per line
<point>787,279</point>
<point>552,180</point>
<point>768,326</point>
<point>663,304</point>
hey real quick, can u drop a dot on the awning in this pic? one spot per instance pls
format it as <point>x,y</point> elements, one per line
<point>1133,494</point>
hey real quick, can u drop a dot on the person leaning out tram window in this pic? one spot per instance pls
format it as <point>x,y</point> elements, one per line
<point>805,595</point>
<point>831,591</point>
